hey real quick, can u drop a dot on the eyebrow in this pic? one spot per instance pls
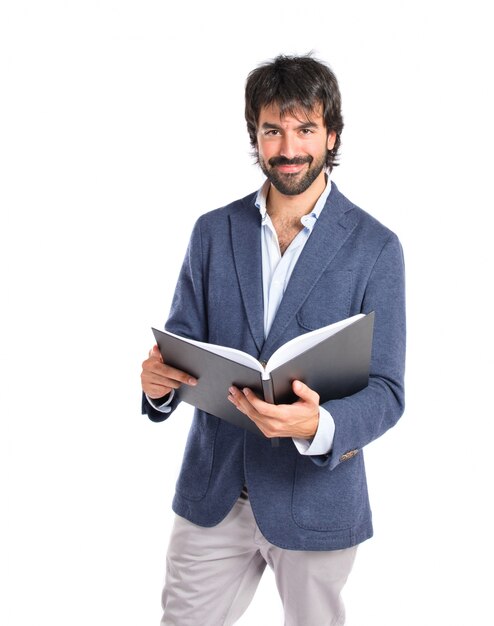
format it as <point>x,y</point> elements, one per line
<point>270,125</point>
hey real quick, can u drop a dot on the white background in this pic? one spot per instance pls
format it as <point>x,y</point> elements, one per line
<point>121,122</point>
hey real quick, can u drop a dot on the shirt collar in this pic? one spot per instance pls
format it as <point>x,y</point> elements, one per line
<point>307,220</point>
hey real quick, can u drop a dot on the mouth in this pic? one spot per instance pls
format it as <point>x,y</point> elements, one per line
<point>289,166</point>
<point>291,169</point>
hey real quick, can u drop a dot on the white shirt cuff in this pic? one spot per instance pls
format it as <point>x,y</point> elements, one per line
<point>323,439</point>
<point>163,407</point>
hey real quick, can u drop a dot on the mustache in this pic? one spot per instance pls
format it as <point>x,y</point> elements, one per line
<point>281,160</point>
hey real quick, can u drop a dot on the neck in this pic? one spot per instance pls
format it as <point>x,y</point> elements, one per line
<point>295,206</point>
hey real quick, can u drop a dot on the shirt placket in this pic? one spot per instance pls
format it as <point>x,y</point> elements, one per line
<point>280,270</point>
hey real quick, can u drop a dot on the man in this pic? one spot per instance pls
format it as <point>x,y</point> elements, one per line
<point>290,258</point>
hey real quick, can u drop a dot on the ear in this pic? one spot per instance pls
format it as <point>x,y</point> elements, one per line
<point>331,140</point>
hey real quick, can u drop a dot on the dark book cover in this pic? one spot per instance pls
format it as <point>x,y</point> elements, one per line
<point>335,367</point>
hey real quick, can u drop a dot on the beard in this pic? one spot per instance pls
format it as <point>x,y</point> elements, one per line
<point>296,183</point>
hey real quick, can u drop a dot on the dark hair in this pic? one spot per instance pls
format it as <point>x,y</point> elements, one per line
<point>294,83</point>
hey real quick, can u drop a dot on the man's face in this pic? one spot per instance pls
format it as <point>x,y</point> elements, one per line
<point>292,149</point>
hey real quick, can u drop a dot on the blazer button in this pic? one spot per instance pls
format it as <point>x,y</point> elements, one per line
<point>348,455</point>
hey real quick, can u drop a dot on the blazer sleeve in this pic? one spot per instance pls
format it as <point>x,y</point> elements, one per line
<point>366,415</point>
<point>187,315</point>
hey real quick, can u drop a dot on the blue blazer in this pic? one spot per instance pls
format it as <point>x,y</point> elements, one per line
<point>350,264</point>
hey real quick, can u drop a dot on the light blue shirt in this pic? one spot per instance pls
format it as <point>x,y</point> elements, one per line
<point>276,272</point>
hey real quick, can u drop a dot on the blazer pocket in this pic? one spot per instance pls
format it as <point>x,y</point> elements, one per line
<point>329,500</point>
<point>195,473</point>
<point>328,301</point>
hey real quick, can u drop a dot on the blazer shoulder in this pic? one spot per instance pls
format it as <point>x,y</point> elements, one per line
<point>366,223</point>
<point>241,205</point>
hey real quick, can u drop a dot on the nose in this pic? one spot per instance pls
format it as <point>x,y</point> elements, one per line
<point>288,147</point>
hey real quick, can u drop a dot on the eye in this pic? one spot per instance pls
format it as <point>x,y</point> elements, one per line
<point>306,131</point>
<point>272,132</point>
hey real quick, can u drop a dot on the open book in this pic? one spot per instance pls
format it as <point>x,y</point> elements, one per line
<point>333,361</point>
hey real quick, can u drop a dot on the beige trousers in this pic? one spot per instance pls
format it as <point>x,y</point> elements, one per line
<point>212,575</point>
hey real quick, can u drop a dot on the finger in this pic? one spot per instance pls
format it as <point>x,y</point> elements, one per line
<point>156,385</point>
<point>269,426</point>
<point>149,379</point>
<point>178,375</point>
<point>260,406</point>
<point>304,392</point>
<point>155,353</point>
<point>239,399</point>
<point>247,402</point>
<point>156,391</point>
<point>236,397</point>
<point>160,369</point>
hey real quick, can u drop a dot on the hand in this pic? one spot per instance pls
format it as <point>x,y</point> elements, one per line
<point>158,379</point>
<point>299,419</point>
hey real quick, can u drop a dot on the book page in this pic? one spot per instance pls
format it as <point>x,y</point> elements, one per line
<point>228,353</point>
<point>302,343</point>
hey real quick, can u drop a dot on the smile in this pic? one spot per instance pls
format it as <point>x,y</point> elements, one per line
<point>290,169</point>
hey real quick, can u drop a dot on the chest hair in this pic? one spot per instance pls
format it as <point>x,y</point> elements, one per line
<point>286,229</point>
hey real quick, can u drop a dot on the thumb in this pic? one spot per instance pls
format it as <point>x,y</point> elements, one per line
<point>155,353</point>
<point>304,392</point>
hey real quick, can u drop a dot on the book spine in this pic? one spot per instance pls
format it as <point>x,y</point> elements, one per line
<point>268,391</point>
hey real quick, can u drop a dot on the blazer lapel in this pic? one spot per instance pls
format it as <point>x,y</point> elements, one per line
<point>334,225</point>
<point>246,243</point>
